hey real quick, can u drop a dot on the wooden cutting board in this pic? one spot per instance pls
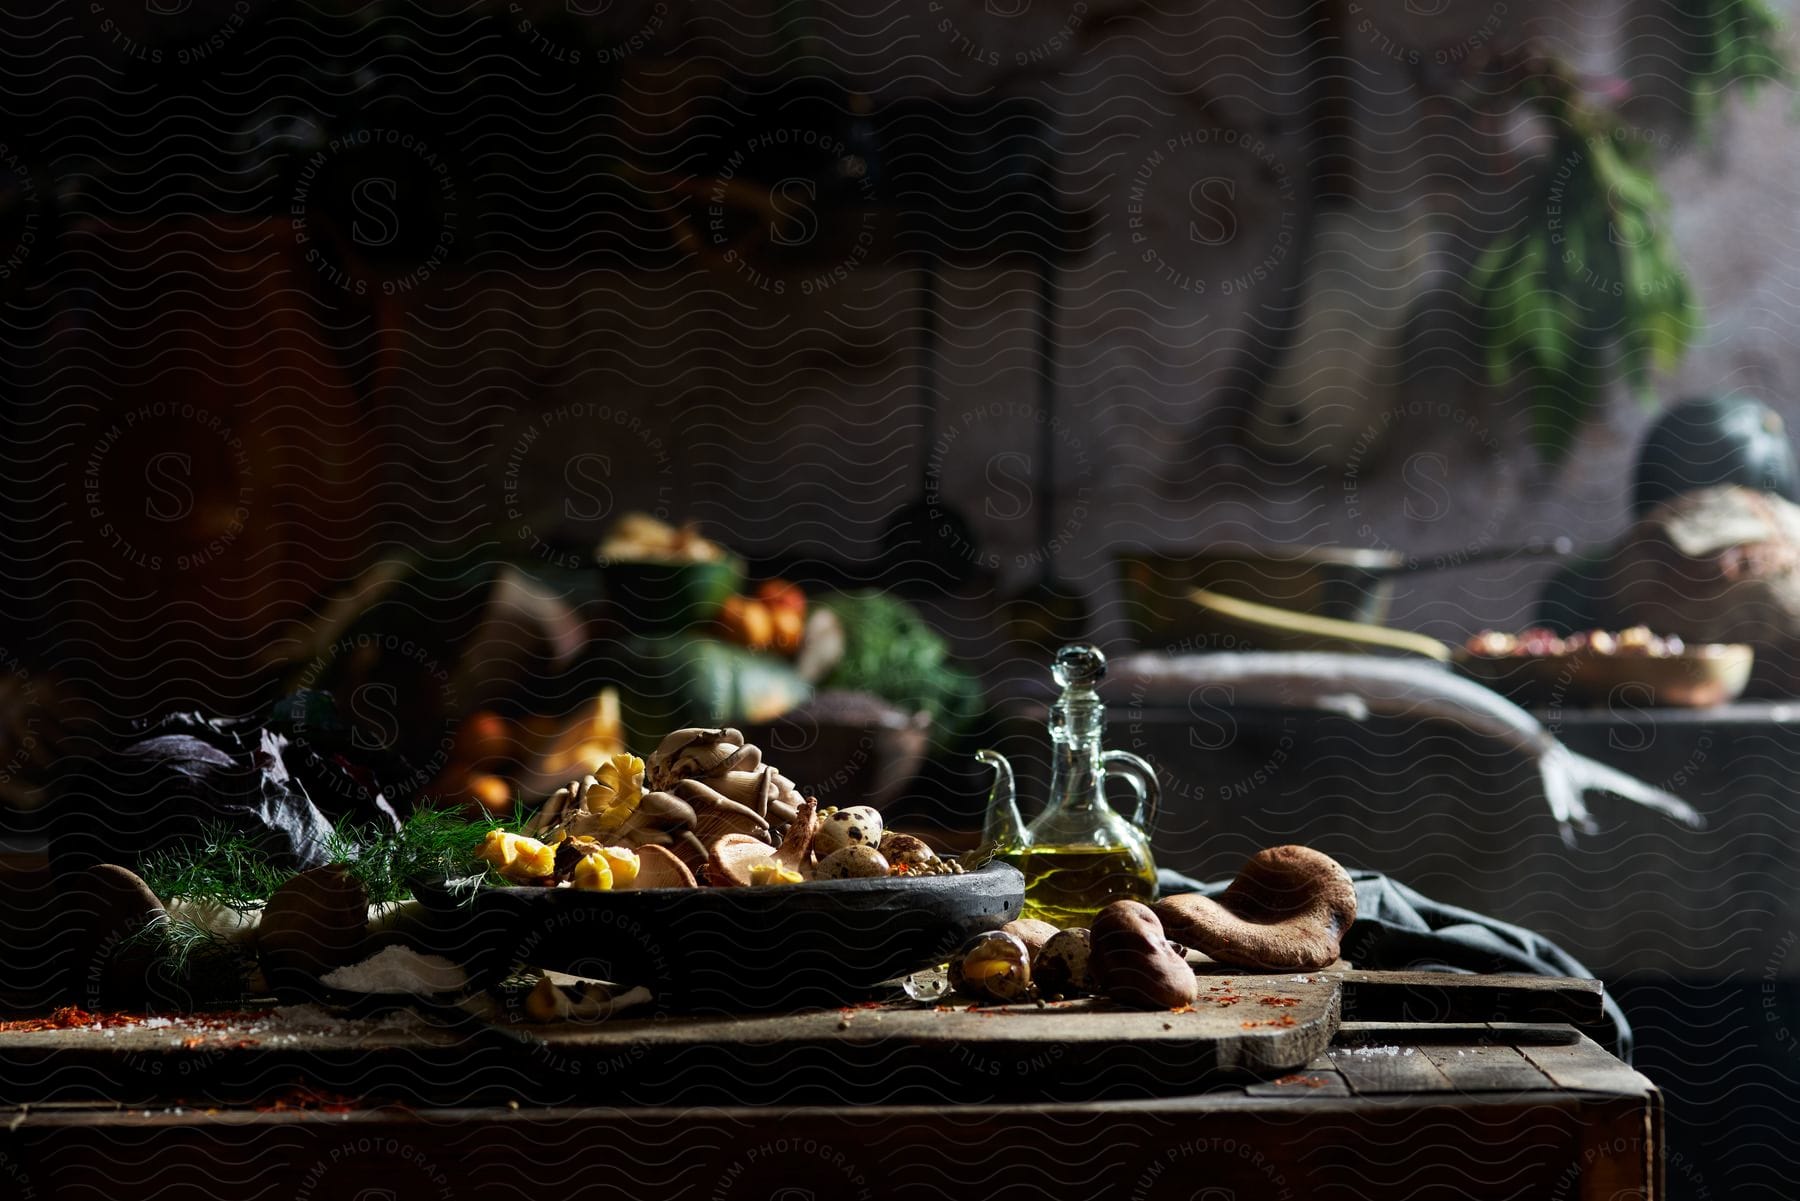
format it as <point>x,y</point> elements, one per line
<point>1241,1026</point>
<point>901,1053</point>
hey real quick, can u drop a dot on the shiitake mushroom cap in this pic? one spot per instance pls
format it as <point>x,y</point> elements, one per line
<point>1134,964</point>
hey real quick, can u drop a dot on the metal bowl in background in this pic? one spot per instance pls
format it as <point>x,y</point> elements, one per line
<point>1344,583</point>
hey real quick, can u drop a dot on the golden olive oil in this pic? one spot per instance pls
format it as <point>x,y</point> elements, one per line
<point>1067,886</point>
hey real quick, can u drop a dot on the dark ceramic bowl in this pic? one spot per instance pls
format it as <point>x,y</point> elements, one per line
<point>819,944</point>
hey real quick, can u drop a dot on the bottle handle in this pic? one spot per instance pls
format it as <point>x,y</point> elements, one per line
<point>1142,778</point>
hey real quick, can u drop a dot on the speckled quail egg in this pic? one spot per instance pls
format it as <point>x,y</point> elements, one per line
<point>857,825</point>
<point>905,849</point>
<point>852,862</point>
<point>1061,967</point>
<point>995,966</point>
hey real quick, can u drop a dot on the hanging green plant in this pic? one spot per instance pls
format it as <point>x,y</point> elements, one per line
<point>1737,42</point>
<point>1593,287</point>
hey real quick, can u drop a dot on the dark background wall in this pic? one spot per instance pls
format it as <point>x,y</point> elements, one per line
<point>285,289</point>
<point>457,222</point>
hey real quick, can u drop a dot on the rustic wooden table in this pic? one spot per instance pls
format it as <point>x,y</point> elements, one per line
<point>862,1103</point>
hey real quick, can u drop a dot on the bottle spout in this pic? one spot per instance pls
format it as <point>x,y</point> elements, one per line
<point>1004,829</point>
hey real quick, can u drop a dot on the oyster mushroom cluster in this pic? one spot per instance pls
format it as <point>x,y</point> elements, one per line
<point>706,797</point>
<point>701,785</point>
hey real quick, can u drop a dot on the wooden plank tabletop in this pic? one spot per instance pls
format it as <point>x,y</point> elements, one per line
<point>1261,1025</point>
<point>1582,1127</point>
<point>1385,996</point>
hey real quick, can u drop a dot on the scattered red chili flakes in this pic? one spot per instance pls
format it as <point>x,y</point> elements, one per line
<point>71,1017</point>
<point>1286,1019</point>
<point>301,1099</point>
<point>1278,1002</point>
<point>194,1041</point>
<point>1221,1002</point>
<point>1182,1009</point>
<point>1304,1081</point>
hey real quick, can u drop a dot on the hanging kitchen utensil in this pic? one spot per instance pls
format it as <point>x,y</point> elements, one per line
<point>1050,611</point>
<point>930,532</point>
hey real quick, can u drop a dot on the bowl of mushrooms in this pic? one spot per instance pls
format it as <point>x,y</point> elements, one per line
<point>705,875</point>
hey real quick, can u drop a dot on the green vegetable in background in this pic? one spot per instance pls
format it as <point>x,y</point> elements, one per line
<point>669,681</point>
<point>890,651</point>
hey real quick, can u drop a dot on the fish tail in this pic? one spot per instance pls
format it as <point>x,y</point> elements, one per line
<point>1586,775</point>
<point>1562,789</point>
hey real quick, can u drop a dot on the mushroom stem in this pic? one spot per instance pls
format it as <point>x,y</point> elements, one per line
<point>1287,910</point>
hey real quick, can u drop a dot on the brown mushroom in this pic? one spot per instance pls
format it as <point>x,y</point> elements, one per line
<point>716,815</point>
<point>765,791</point>
<point>552,813</point>
<point>658,867</point>
<point>748,788</point>
<point>101,912</point>
<point>656,812</point>
<point>693,753</point>
<point>797,840</point>
<point>572,850</point>
<point>1030,931</point>
<point>1286,911</point>
<point>315,922</point>
<point>735,856</point>
<point>1133,964</point>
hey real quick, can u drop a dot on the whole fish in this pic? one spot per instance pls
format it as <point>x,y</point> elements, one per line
<point>1358,685</point>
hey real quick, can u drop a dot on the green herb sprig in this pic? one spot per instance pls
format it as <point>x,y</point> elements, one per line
<point>228,867</point>
<point>430,842</point>
<point>224,866</point>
